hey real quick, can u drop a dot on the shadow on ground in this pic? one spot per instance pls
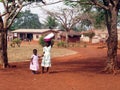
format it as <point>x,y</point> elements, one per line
<point>94,65</point>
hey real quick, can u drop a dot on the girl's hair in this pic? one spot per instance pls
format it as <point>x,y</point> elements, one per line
<point>35,51</point>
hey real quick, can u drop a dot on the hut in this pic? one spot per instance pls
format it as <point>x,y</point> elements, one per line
<point>73,36</point>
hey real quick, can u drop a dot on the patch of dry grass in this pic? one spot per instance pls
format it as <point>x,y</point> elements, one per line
<point>24,52</point>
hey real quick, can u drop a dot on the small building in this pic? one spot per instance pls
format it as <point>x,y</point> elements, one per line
<point>84,38</point>
<point>32,34</point>
<point>73,36</point>
<point>100,36</point>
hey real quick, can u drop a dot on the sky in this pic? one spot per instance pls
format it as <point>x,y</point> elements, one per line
<point>39,10</point>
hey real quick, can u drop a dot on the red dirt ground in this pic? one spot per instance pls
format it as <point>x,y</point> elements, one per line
<point>75,72</point>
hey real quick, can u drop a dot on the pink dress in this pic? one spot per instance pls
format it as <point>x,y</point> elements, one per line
<point>34,65</point>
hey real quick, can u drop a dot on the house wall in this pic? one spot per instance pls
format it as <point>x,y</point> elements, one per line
<point>71,39</point>
<point>36,36</point>
<point>74,39</point>
<point>119,36</point>
<point>85,39</point>
<point>96,39</point>
<point>100,36</point>
<point>33,34</point>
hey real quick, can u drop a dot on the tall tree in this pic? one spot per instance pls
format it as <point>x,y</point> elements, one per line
<point>68,18</point>
<point>1,39</point>
<point>50,22</point>
<point>11,10</point>
<point>26,20</point>
<point>111,9</point>
<point>99,18</point>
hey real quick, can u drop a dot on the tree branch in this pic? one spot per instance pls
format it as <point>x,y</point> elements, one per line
<point>12,12</point>
<point>112,2</point>
<point>4,6</point>
<point>3,14</point>
<point>46,4</point>
<point>92,2</point>
<point>11,21</point>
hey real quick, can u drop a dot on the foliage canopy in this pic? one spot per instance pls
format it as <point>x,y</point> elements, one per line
<point>26,20</point>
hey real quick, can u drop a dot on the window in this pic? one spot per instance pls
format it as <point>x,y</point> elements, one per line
<point>37,36</point>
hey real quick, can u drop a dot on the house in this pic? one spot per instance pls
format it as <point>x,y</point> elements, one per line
<point>73,36</point>
<point>100,36</point>
<point>33,34</point>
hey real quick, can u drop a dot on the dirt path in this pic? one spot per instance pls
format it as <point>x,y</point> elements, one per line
<point>76,72</point>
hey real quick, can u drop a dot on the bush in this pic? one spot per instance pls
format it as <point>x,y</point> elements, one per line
<point>16,41</point>
<point>41,41</point>
<point>52,42</point>
<point>61,44</point>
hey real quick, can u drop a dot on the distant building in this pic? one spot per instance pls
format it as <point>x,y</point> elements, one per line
<point>73,36</point>
<point>33,34</point>
<point>100,36</point>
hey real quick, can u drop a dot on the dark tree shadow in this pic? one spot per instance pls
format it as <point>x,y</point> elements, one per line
<point>94,65</point>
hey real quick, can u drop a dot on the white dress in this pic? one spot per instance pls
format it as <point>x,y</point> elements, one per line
<point>46,59</point>
<point>34,65</point>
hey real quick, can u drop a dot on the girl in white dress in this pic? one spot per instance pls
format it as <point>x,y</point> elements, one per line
<point>46,59</point>
<point>34,63</point>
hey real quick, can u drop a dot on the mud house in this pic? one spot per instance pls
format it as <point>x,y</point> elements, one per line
<point>73,36</point>
<point>33,34</point>
<point>100,36</point>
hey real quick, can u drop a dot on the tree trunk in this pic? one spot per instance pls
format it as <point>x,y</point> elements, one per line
<point>112,41</point>
<point>66,36</point>
<point>66,39</point>
<point>3,45</point>
<point>5,56</point>
<point>1,41</point>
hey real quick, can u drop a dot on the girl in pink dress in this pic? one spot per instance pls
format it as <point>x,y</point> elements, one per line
<point>34,63</point>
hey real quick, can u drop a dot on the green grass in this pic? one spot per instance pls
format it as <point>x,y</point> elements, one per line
<point>24,52</point>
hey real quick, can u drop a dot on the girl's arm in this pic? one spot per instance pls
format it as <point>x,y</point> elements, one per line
<point>39,56</point>
<point>43,54</point>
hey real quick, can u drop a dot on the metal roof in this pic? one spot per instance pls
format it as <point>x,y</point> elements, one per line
<point>34,30</point>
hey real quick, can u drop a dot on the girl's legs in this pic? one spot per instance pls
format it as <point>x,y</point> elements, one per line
<point>42,69</point>
<point>34,72</point>
<point>48,69</point>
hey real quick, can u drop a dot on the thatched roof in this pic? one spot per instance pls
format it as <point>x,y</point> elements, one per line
<point>71,33</point>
